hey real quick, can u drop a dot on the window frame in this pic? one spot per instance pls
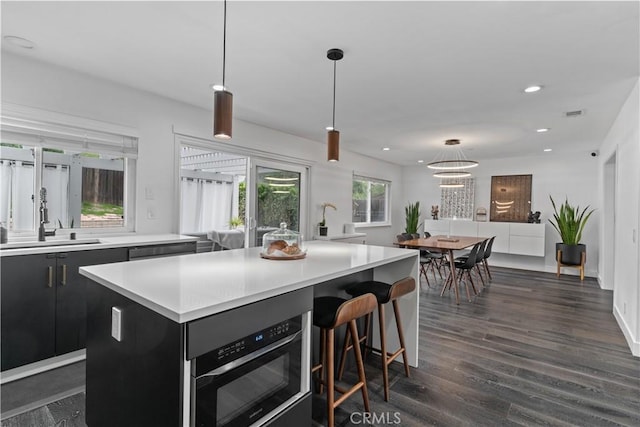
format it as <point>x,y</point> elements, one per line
<point>371,180</point>
<point>41,129</point>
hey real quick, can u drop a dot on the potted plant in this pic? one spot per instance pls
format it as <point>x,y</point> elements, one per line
<point>412,217</point>
<point>322,225</point>
<point>235,222</point>
<point>569,222</point>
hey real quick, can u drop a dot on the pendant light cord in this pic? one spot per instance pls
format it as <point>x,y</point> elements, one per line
<point>333,123</point>
<point>224,46</point>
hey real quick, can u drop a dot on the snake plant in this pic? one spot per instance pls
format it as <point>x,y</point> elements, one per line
<point>569,221</point>
<point>412,216</point>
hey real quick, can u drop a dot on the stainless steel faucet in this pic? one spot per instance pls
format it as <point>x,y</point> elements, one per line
<point>44,217</point>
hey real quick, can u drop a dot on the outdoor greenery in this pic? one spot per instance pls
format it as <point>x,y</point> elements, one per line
<point>412,217</point>
<point>273,208</point>
<point>101,209</point>
<point>242,199</point>
<point>368,196</point>
<point>235,222</point>
<point>569,221</point>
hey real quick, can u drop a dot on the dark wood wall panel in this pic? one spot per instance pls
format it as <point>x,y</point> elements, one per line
<point>510,198</point>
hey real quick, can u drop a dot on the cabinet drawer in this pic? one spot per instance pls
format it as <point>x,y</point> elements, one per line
<point>533,230</point>
<point>526,245</point>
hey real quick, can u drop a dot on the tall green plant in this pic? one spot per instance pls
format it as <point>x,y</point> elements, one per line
<point>412,216</point>
<point>569,221</point>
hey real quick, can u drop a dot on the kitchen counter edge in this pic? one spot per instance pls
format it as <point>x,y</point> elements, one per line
<point>106,242</point>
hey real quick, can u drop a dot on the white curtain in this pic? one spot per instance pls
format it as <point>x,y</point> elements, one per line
<point>56,181</point>
<point>206,205</point>
<point>5,191</point>
<point>21,197</point>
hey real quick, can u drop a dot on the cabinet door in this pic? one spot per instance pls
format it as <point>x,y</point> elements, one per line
<point>28,309</point>
<point>71,301</point>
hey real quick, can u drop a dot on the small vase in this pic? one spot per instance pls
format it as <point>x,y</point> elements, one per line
<point>322,230</point>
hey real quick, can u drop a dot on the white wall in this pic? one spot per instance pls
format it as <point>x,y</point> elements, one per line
<point>573,176</point>
<point>623,144</point>
<point>38,85</point>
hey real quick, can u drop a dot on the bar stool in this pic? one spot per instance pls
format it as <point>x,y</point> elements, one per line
<point>384,293</point>
<point>329,313</point>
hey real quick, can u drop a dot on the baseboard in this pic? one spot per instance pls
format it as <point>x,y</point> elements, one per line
<point>544,268</point>
<point>42,366</point>
<point>634,345</point>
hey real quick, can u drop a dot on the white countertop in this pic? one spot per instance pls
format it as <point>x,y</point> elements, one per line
<point>340,236</point>
<point>105,242</point>
<point>188,287</point>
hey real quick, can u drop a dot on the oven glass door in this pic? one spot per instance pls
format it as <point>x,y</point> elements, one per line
<point>246,393</point>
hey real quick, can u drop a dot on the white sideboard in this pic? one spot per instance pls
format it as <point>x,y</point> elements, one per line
<point>345,238</point>
<point>511,237</point>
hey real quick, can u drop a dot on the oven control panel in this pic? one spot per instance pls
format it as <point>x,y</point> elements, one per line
<point>250,343</point>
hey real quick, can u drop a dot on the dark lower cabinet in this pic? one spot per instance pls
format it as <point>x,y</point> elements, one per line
<point>136,381</point>
<point>43,303</point>
<point>28,307</point>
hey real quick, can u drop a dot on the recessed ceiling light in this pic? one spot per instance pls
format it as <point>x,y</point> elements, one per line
<point>532,89</point>
<point>386,149</point>
<point>547,150</point>
<point>542,130</point>
<point>420,161</point>
<point>20,42</point>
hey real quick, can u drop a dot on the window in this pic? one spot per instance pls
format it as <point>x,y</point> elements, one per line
<point>370,199</point>
<point>83,177</point>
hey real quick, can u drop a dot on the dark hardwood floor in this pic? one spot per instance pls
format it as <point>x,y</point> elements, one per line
<point>531,349</point>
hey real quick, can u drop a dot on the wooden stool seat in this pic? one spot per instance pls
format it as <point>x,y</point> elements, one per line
<point>384,293</point>
<point>328,314</point>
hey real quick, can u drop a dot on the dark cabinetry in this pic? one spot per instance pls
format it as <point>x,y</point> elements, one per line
<point>155,251</point>
<point>43,303</point>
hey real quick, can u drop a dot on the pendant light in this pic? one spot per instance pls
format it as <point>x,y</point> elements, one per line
<point>333,136</point>
<point>452,161</point>
<point>222,98</point>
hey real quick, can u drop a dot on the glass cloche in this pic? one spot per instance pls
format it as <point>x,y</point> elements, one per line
<point>282,244</point>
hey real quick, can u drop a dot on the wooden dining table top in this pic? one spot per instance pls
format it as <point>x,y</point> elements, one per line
<point>452,243</point>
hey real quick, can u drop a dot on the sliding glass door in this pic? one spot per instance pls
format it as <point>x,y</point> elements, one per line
<point>233,199</point>
<point>278,194</point>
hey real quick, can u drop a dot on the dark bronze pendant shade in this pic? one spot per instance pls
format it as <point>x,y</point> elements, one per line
<point>223,99</point>
<point>333,136</point>
<point>222,114</point>
<point>333,146</point>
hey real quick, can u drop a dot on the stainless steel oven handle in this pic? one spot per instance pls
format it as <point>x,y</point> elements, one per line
<point>249,357</point>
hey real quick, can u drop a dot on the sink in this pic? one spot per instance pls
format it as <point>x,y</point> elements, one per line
<point>23,244</point>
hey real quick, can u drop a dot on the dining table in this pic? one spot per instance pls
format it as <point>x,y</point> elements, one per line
<point>445,244</point>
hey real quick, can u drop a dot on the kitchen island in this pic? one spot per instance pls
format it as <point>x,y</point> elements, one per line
<point>149,321</point>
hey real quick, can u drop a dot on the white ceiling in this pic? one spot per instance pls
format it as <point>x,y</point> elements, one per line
<point>414,73</point>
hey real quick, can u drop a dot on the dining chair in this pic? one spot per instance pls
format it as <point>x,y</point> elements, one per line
<point>425,261</point>
<point>487,254</point>
<point>462,267</point>
<point>479,260</point>
<point>439,259</point>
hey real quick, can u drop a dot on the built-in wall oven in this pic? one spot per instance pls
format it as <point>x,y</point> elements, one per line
<point>252,379</point>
